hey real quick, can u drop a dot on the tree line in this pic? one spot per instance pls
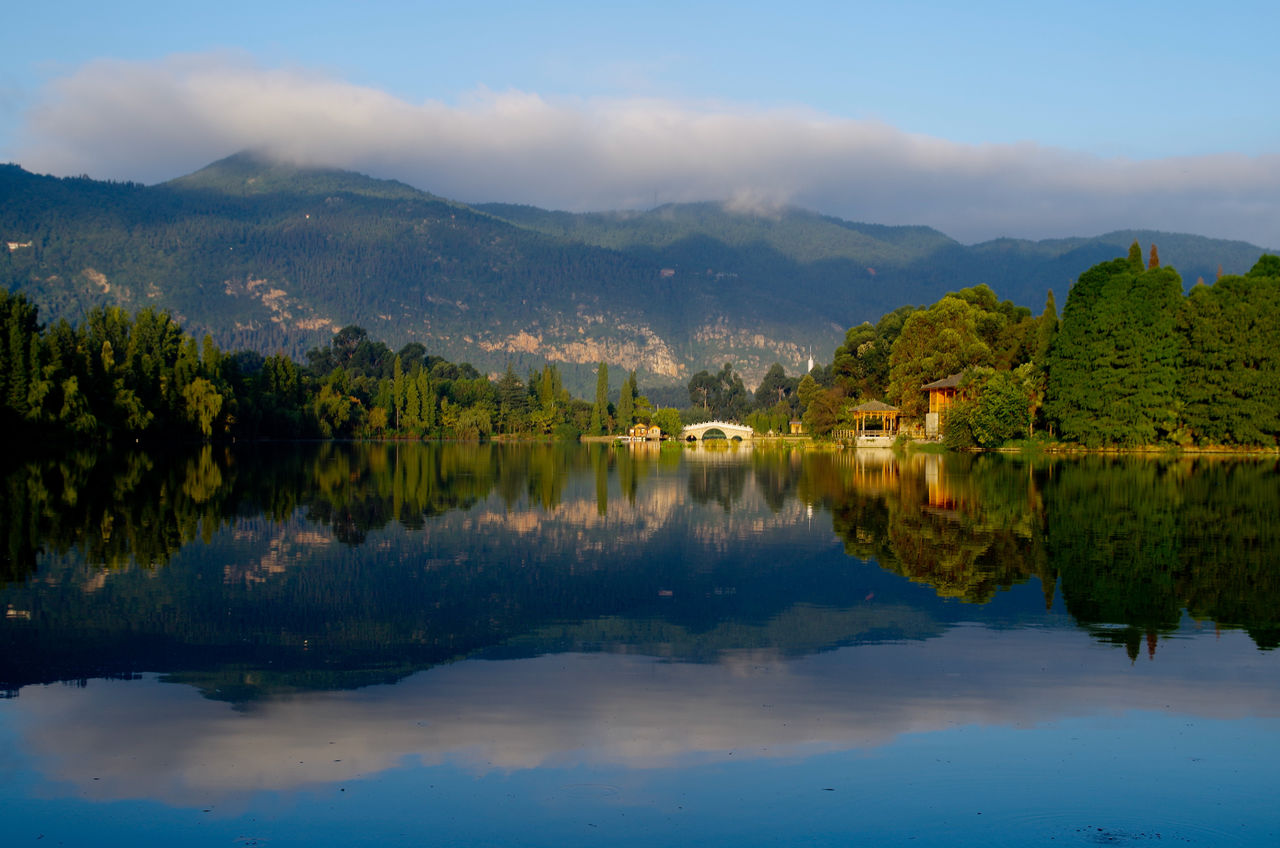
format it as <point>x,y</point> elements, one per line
<point>892,359</point>
<point>119,377</point>
<point>1133,361</point>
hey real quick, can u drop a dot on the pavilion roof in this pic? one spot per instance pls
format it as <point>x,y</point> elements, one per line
<point>952,382</point>
<point>874,406</point>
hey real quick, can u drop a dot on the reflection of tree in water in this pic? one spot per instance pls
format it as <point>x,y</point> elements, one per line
<point>722,482</point>
<point>1231,542</point>
<point>244,606</point>
<point>962,531</point>
<point>1134,542</point>
<point>777,474</point>
<point>1113,534</point>
<point>600,467</point>
<point>630,470</point>
<point>1138,541</point>
<point>359,488</point>
<point>121,509</point>
<point>275,605</point>
<point>117,509</point>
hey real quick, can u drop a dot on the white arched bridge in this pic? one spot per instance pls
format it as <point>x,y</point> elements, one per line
<point>725,429</point>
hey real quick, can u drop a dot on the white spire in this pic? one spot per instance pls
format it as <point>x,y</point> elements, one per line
<point>810,359</point>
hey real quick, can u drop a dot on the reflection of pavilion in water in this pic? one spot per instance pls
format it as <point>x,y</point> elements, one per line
<point>941,495</point>
<point>881,472</point>
<point>875,471</point>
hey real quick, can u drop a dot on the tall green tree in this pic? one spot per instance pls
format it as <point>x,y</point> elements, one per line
<point>19,324</point>
<point>512,402</point>
<point>1231,364</point>
<point>668,420</point>
<point>1114,367</point>
<point>723,394</point>
<point>600,412</point>
<point>397,390</point>
<point>1046,330</point>
<point>203,404</point>
<point>627,402</point>
<point>776,387</point>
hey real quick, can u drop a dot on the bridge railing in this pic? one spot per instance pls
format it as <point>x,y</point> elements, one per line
<point>729,428</point>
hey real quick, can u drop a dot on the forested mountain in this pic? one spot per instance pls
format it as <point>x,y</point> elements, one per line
<point>874,265</point>
<point>277,257</point>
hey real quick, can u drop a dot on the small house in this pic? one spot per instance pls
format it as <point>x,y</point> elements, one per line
<point>644,432</point>
<point>942,393</point>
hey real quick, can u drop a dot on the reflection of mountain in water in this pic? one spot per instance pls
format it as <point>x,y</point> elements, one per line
<point>250,572</point>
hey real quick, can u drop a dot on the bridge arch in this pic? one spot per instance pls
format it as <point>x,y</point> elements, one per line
<point>698,432</point>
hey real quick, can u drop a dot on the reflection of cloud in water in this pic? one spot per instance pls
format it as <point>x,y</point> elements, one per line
<point>129,739</point>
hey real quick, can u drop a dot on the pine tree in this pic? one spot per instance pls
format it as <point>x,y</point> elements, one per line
<point>512,399</point>
<point>626,404</point>
<point>424,412</point>
<point>1113,369</point>
<point>411,417</point>
<point>546,389</point>
<point>430,420</point>
<point>397,391</point>
<point>1135,257</point>
<point>19,325</point>
<point>600,413</point>
<point>1046,330</point>
<point>1231,367</point>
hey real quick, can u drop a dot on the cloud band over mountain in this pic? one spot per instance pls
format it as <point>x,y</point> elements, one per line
<point>157,120</point>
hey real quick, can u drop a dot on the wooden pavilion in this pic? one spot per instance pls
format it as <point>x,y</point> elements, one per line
<point>885,416</point>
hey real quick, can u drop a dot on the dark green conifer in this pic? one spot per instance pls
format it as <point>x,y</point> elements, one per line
<point>1135,257</point>
<point>1113,368</point>
<point>600,412</point>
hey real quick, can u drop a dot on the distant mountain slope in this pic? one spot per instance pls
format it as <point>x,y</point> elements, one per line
<point>276,257</point>
<point>247,175</point>
<point>895,265</point>
<point>798,234</point>
<point>271,257</point>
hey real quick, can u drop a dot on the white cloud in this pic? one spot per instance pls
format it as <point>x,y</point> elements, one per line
<point>154,121</point>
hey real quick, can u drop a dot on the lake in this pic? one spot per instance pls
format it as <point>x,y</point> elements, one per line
<point>459,644</point>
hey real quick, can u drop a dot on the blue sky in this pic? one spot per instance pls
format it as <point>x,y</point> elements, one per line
<point>982,119</point>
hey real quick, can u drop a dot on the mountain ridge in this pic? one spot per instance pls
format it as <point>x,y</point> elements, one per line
<point>271,256</point>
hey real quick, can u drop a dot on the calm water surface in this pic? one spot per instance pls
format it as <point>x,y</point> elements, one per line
<point>458,644</point>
